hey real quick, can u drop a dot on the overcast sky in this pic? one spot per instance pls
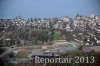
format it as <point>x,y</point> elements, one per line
<point>48,8</point>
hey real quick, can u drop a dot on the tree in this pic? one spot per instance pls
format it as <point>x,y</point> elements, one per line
<point>52,35</point>
<point>11,55</point>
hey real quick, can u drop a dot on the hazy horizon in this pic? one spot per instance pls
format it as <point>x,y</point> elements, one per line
<point>48,8</point>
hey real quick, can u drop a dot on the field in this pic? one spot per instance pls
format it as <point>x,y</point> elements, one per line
<point>22,54</point>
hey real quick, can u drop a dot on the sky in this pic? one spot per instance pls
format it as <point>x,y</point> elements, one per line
<point>48,8</point>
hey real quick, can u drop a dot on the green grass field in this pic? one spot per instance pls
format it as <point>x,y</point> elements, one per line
<point>58,36</point>
<point>22,54</point>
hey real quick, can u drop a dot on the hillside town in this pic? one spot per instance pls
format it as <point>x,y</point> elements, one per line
<point>22,39</point>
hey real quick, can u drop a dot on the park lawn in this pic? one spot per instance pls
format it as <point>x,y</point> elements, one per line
<point>22,54</point>
<point>58,36</point>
